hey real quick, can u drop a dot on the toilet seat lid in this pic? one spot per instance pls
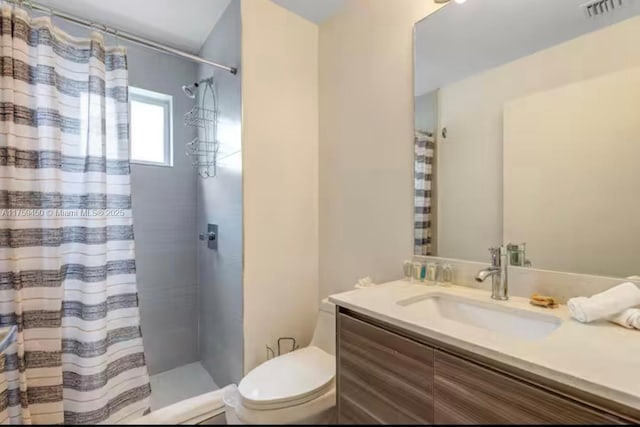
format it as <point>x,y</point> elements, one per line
<point>293,377</point>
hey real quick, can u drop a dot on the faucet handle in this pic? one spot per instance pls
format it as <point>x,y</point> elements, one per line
<point>495,256</point>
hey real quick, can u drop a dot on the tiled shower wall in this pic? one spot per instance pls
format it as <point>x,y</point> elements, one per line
<point>220,202</point>
<point>164,217</point>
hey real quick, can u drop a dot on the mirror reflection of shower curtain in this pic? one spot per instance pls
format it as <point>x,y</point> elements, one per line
<point>67,266</point>
<point>424,145</point>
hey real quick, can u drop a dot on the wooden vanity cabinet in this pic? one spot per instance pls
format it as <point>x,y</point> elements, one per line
<point>383,378</point>
<point>471,394</point>
<point>387,377</point>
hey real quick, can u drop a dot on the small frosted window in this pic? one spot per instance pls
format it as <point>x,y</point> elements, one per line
<point>150,127</point>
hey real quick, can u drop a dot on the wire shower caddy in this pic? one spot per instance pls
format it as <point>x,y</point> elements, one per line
<point>204,117</point>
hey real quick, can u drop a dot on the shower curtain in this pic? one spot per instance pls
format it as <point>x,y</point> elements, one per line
<point>424,145</point>
<point>67,269</point>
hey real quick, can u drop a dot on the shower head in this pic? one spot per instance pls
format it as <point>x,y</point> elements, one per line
<point>190,90</point>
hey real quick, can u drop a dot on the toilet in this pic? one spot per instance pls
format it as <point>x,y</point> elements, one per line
<point>295,388</point>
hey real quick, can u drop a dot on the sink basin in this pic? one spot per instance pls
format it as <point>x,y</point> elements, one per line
<point>501,319</point>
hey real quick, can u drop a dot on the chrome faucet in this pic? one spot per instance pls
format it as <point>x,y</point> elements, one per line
<point>498,273</point>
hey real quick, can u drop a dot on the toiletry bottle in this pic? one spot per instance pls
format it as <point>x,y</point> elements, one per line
<point>407,269</point>
<point>432,273</point>
<point>447,275</point>
<point>417,272</point>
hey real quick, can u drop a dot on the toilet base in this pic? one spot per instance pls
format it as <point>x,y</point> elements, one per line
<point>329,417</point>
<point>318,411</point>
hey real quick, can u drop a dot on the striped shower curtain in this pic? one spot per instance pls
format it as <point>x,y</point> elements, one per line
<point>67,269</point>
<point>424,146</point>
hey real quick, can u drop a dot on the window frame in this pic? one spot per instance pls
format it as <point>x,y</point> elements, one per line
<point>166,102</point>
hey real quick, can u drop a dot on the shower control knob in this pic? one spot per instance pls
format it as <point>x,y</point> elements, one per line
<point>212,236</point>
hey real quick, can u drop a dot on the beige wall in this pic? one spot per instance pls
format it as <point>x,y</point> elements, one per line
<point>571,175</point>
<point>280,155</point>
<point>470,159</point>
<point>366,137</point>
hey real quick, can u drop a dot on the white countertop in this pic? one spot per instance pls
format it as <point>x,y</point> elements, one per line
<point>600,358</point>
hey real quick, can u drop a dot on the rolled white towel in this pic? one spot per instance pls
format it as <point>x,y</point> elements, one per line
<point>630,318</point>
<point>605,304</point>
<point>365,282</point>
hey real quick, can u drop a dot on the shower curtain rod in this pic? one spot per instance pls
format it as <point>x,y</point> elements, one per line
<point>120,34</point>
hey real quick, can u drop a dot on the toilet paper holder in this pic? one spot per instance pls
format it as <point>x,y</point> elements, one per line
<point>271,353</point>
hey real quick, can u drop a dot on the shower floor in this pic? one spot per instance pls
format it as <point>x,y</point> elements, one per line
<point>181,383</point>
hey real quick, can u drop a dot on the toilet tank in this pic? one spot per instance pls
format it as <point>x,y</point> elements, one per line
<point>324,336</point>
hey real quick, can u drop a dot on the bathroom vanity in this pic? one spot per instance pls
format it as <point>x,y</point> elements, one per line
<point>526,141</point>
<point>407,355</point>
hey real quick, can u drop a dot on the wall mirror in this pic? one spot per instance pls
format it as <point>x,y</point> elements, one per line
<point>527,131</point>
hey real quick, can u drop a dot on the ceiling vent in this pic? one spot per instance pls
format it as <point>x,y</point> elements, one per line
<point>597,8</point>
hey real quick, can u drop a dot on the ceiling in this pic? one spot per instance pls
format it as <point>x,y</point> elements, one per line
<point>461,40</point>
<point>184,24</point>
<point>316,11</point>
